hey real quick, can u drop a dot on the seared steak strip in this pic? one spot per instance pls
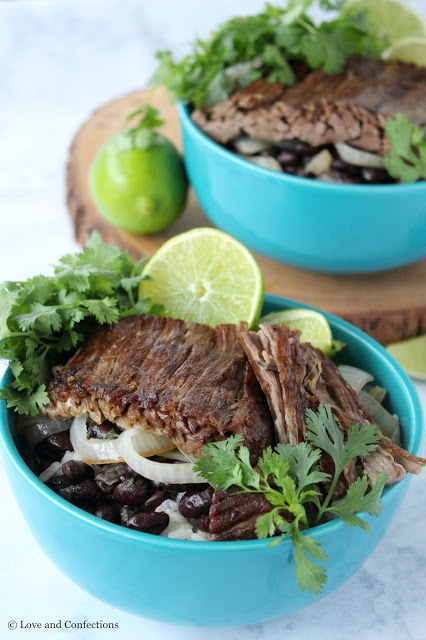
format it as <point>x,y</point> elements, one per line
<point>351,106</point>
<point>192,384</point>
<point>233,515</point>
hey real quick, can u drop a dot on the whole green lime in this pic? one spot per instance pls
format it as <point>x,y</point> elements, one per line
<point>139,189</point>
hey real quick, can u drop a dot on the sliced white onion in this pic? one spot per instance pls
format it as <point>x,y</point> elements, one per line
<point>178,454</point>
<point>92,450</point>
<point>359,158</point>
<point>266,162</point>
<point>133,449</point>
<point>250,146</point>
<point>378,393</point>
<point>40,427</point>
<point>320,163</point>
<point>50,471</point>
<point>356,378</point>
<point>389,424</point>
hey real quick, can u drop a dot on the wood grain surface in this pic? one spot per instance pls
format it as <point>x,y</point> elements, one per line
<point>390,306</point>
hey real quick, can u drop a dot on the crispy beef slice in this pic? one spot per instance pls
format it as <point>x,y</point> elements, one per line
<point>233,515</point>
<point>351,106</point>
<point>192,384</point>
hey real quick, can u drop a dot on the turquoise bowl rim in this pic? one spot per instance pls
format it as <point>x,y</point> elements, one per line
<point>215,147</point>
<point>10,449</point>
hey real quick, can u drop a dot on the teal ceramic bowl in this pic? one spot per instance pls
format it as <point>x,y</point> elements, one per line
<point>207,583</point>
<point>333,228</point>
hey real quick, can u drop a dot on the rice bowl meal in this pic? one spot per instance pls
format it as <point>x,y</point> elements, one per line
<point>196,432</point>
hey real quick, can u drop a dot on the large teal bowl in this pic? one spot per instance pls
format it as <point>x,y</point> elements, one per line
<point>207,583</point>
<point>315,225</point>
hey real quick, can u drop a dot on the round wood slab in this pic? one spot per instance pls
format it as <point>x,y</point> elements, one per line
<point>390,306</point>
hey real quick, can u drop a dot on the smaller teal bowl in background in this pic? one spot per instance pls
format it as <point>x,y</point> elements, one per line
<point>207,583</point>
<point>326,227</point>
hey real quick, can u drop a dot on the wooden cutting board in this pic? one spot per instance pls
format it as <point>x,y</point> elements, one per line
<point>390,306</point>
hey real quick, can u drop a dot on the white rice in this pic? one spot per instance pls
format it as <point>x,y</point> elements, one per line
<point>179,527</point>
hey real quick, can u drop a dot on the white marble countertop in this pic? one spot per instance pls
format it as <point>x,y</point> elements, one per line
<point>58,61</point>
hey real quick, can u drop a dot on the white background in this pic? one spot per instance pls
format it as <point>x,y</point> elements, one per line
<point>58,61</point>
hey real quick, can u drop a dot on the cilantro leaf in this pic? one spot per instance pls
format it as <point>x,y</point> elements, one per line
<point>324,432</point>
<point>310,575</point>
<point>406,159</point>
<point>288,476</point>
<point>264,45</point>
<point>358,498</point>
<point>45,317</point>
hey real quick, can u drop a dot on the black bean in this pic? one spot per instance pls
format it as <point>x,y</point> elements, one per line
<point>267,153</point>
<point>81,493</point>
<point>374,176</point>
<point>100,430</point>
<point>155,500</point>
<point>131,491</point>
<point>293,171</point>
<point>287,158</point>
<point>58,482</point>
<point>194,504</point>
<point>77,471</point>
<point>128,472</point>
<point>149,522</point>
<point>178,488</point>
<point>103,487</point>
<point>126,513</point>
<point>203,523</point>
<point>58,444</point>
<point>108,512</point>
<point>304,149</point>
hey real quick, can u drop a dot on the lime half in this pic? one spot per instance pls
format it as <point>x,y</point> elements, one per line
<point>205,276</point>
<point>411,354</point>
<point>314,327</point>
<point>388,19</point>
<point>408,50</point>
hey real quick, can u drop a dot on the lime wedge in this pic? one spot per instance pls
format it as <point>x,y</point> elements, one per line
<point>408,50</point>
<point>388,19</point>
<point>205,276</point>
<point>411,354</point>
<point>314,327</point>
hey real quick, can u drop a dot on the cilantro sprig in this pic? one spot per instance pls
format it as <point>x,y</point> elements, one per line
<point>265,45</point>
<point>289,478</point>
<point>44,318</point>
<point>143,134</point>
<point>406,159</point>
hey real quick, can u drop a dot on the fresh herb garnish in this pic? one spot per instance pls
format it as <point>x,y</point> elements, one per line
<point>265,45</point>
<point>129,482</point>
<point>406,159</point>
<point>45,318</point>
<point>288,477</point>
<point>143,135</point>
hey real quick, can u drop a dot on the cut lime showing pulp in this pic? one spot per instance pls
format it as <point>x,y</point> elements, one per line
<point>314,327</point>
<point>411,354</point>
<point>389,20</point>
<point>408,50</point>
<point>205,276</point>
